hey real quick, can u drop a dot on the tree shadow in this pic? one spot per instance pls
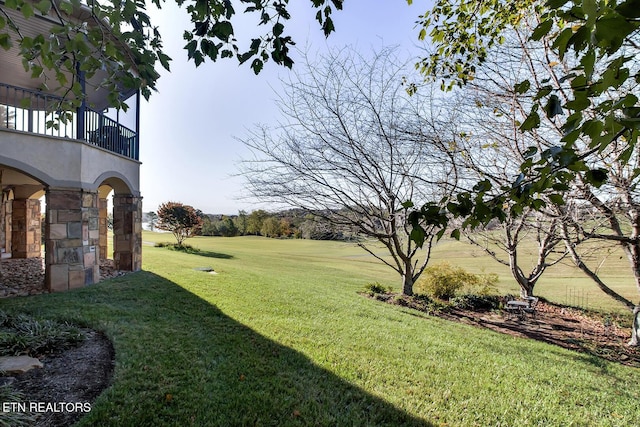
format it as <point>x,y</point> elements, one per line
<point>194,251</point>
<point>181,361</point>
<point>209,254</point>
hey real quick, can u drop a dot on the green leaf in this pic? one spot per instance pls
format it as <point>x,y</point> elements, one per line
<point>531,122</point>
<point>542,29</point>
<point>36,71</point>
<point>257,65</point>
<point>522,87</point>
<point>629,9</point>
<point>417,235</point>
<point>562,40</point>
<point>455,234</point>
<point>222,30</point>
<point>596,177</point>
<point>556,4</point>
<point>278,28</point>
<point>588,62</point>
<point>580,104</point>
<point>27,10</point>
<point>593,129</point>
<point>44,6</point>
<point>611,31</point>
<point>553,107</point>
<point>5,41</point>
<point>198,59</point>
<point>66,7</point>
<point>328,27</point>
<point>164,60</point>
<point>589,7</point>
<point>530,152</point>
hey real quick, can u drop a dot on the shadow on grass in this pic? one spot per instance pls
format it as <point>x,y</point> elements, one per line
<point>181,361</point>
<point>194,251</point>
<point>209,254</point>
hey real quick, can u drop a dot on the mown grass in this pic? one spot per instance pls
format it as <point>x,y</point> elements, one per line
<point>280,337</point>
<point>562,283</point>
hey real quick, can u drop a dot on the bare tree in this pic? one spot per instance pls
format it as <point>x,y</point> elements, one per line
<point>491,148</point>
<point>587,214</point>
<point>610,216</point>
<point>353,148</point>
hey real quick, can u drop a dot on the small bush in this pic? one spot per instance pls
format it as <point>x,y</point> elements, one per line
<point>22,334</point>
<point>476,302</point>
<point>422,302</point>
<point>484,285</point>
<point>376,288</point>
<point>443,280</point>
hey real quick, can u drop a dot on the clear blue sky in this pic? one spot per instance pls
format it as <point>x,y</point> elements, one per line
<point>187,147</point>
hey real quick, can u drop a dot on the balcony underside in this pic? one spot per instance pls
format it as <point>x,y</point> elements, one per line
<point>34,112</point>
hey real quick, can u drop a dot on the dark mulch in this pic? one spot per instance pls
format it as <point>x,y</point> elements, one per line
<point>75,376</point>
<point>559,325</point>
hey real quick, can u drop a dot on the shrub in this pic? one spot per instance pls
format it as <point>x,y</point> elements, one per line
<point>484,285</point>
<point>476,302</point>
<point>22,334</point>
<point>443,280</point>
<point>377,288</point>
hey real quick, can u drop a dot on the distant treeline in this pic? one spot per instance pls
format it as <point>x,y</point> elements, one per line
<point>297,224</point>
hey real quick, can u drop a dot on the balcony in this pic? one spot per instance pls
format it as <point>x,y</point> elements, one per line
<point>32,111</point>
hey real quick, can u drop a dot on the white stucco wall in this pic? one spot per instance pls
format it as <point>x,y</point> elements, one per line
<point>62,163</point>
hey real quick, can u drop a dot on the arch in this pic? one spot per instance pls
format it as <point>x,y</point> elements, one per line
<point>27,170</point>
<point>118,182</point>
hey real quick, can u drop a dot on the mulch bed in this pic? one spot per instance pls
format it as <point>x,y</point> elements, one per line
<point>22,277</point>
<point>559,325</point>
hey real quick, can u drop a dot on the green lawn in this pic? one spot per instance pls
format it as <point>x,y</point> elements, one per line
<point>562,283</point>
<point>280,337</point>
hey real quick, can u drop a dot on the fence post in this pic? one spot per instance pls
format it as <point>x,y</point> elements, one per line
<point>80,124</point>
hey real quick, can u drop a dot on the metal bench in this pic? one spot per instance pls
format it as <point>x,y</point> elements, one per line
<point>522,309</point>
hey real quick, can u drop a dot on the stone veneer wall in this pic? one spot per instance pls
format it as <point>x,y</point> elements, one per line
<point>26,231</point>
<point>127,232</point>
<point>5,225</point>
<point>72,239</point>
<point>103,227</point>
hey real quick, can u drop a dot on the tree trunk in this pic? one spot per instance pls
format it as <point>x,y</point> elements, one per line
<point>407,280</point>
<point>526,289</point>
<point>635,328</point>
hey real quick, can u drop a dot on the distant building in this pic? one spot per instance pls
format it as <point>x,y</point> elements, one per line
<point>75,166</point>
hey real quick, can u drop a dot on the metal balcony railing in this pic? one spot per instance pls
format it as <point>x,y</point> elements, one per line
<point>31,111</point>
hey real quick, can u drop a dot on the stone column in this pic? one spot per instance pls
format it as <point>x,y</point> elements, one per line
<point>127,232</point>
<point>71,239</point>
<point>103,227</point>
<point>5,225</point>
<point>26,232</point>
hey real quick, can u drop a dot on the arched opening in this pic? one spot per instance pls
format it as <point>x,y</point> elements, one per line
<point>55,238</point>
<point>21,233</point>
<point>120,226</point>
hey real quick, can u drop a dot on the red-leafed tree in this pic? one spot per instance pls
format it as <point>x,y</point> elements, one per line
<point>181,220</point>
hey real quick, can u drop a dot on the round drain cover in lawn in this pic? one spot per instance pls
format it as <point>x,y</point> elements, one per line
<point>205,269</point>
